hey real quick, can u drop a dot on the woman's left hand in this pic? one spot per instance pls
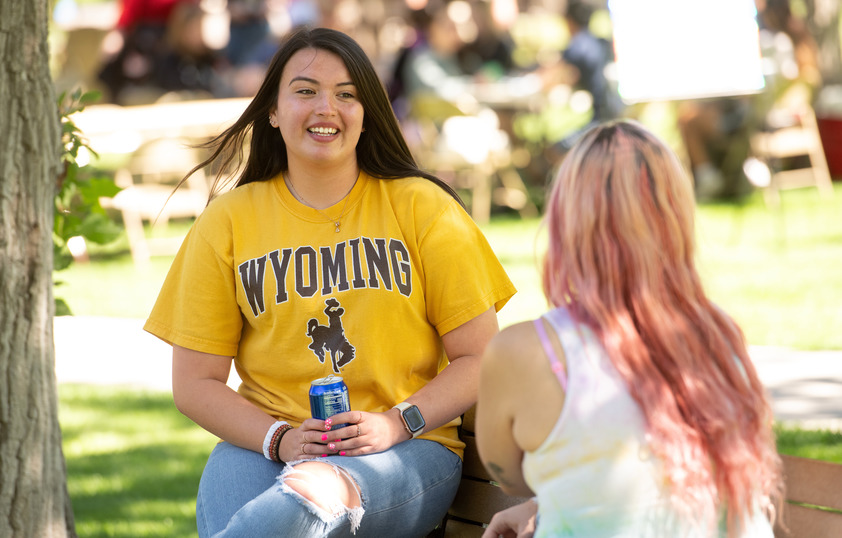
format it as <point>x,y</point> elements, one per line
<point>366,433</point>
<point>515,522</point>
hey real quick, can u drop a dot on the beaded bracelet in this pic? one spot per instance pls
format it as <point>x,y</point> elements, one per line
<point>275,448</point>
<point>267,441</point>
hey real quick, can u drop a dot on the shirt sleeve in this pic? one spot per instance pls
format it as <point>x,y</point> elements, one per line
<point>197,307</point>
<point>463,276</point>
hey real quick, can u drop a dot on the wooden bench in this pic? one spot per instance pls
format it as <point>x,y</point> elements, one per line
<point>814,499</point>
<point>813,491</point>
<point>478,497</point>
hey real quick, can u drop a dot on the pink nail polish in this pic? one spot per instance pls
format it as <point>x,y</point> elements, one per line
<point>324,455</point>
<point>342,453</point>
<point>331,446</point>
<point>324,437</point>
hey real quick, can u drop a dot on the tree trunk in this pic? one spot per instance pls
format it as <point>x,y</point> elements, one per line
<point>33,491</point>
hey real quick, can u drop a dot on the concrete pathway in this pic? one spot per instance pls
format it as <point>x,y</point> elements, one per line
<point>112,351</point>
<point>805,386</point>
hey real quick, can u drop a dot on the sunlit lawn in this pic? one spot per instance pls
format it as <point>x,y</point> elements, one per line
<point>778,271</point>
<point>134,462</point>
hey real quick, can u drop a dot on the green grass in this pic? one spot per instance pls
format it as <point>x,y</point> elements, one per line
<point>777,271</point>
<point>816,444</point>
<point>133,462</point>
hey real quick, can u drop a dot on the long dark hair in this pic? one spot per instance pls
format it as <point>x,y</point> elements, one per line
<point>382,151</point>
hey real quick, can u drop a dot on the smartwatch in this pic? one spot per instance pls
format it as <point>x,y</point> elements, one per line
<point>412,418</point>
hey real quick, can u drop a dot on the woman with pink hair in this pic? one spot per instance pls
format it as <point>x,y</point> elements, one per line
<point>631,408</point>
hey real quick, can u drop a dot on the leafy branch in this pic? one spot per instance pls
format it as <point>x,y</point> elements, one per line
<point>78,212</point>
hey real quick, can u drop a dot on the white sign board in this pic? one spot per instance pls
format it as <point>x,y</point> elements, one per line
<point>684,49</point>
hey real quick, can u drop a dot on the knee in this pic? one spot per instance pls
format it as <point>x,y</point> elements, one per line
<point>328,487</point>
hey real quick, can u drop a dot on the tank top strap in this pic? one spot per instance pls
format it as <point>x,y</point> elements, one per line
<point>555,364</point>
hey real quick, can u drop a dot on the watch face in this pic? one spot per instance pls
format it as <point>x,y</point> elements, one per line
<point>413,418</point>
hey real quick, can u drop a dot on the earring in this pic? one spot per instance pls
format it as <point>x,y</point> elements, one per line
<point>272,122</point>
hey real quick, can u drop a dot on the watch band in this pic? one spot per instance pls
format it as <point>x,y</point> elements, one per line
<point>403,406</point>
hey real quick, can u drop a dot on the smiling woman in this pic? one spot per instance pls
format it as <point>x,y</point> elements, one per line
<point>321,124</point>
<point>332,252</point>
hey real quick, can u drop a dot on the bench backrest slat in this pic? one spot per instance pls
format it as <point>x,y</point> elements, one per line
<point>813,481</point>
<point>478,501</point>
<point>471,465</point>
<point>817,483</point>
<point>478,498</point>
<point>805,522</point>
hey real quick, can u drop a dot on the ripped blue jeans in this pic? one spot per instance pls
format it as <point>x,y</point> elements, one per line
<point>404,491</point>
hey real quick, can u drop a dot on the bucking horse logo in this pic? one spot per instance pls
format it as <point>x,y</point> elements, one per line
<point>331,338</point>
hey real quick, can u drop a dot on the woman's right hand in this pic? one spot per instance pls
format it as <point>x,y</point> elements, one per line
<point>305,442</point>
<point>515,522</point>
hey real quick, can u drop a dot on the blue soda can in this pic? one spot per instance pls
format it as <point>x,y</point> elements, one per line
<point>329,396</point>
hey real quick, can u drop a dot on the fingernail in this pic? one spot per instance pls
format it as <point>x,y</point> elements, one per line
<point>342,453</point>
<point>324,437</point>
<point>324,455</point>
<point>328,421</point>
<point>332,446</point>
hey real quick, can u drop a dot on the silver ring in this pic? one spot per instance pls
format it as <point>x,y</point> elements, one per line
<point>358,430</point>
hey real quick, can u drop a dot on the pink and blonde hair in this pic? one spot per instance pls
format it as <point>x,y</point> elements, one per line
<point>621,258</point>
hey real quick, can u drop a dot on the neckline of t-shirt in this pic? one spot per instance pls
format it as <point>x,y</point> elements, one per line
<point>338,210</point>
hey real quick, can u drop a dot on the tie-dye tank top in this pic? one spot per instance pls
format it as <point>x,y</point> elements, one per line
<point>594,475</point>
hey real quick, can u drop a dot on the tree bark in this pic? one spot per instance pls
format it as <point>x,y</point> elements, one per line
<point>33,491</point>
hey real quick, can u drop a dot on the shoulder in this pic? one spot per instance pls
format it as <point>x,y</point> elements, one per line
<point>414,188</point>
<point>516,370</point>
<point>245,193</point>
<point>518,340</point>
<point>241,199</point>
<point>240,206</point>
<point>419,197</point>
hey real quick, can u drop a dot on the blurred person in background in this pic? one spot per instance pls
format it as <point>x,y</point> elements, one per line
<point>632,407</point>
<point>428,68</point>
<point>584,62</point>
<point>786,39</point>
<point>252,44</point>
<point>249,30</point>
<point>715,134</point>
<point>489,55</point>
<point>157,47</point>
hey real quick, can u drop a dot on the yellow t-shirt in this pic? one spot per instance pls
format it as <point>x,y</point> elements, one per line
<point>269,281</point>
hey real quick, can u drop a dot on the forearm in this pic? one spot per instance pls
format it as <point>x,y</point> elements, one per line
<point>200,393</point>
<point>450,393</point>
<point>454,390</point>
<point>217,408</point>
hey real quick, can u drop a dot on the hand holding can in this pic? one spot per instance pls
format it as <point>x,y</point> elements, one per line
<point>329,396</point>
